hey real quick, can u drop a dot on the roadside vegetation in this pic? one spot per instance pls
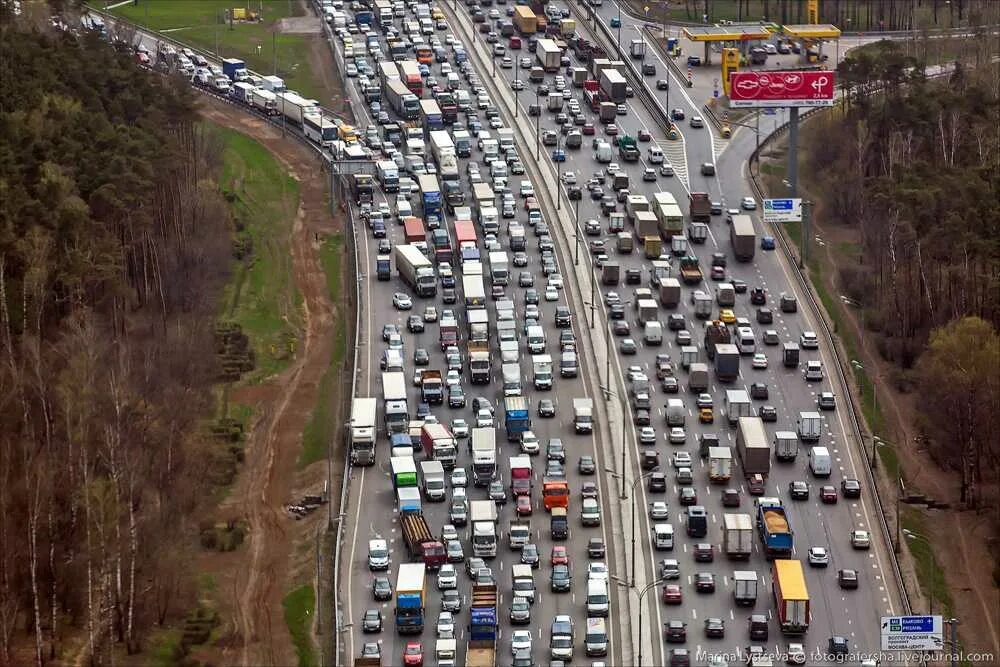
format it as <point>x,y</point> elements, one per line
<point>300,606</point>
<point>113,257</point>
<point>204,24</point>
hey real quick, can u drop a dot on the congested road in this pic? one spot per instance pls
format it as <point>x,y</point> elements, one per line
<point>850,613</point>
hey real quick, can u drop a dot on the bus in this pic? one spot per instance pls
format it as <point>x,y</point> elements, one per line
<point>319,129</point>
<point>430,115</point>
<point>388,71</point>
<point>424,54</point>
<point>410,75</point>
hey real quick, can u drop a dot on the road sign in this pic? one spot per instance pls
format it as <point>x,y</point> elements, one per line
<point>782,210</point>
<point>912,633</point>
<point>781,89</point>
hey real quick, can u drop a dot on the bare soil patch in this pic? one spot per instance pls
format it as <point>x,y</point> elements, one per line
<point>252,581</point>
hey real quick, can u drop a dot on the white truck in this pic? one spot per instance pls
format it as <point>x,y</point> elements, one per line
<point>432,480</point>
<point>810,426</point>
<point>676,414</point>
<point>511,379</point>
<point>484,456</point>
<point>542,366</point>
<point>364,431</point>
<point>737,536</point>
<point>737,404</point>
<point>720,464</point>
<point>499,267</point>
<point>416,270</point>
<point>394,407</point>
<point>786,445</point>
<point>583,415</point>
<point>745,587</point>
<point>483,518</point>
<point>265,101</point>
<point>388,175</point>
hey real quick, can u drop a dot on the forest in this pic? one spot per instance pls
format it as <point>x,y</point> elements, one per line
<point>915,170</point>
<point>114,246</point>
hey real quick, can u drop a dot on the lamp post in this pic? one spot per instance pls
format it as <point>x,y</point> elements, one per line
<point>914,536</point>
<point>861,367</point>
<point>608,395</point>
<point>516,86</point>
<point>538,151</point>
<point>632,496</point>
<point>642,593</point>
<point>558,172</point>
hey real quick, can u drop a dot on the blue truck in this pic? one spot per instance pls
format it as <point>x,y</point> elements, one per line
<point>517,417</point>
<point>482,626</point>
<point>775,533</point>
<point>430,197</point>
<point>235,69</point>
<point>364,17</point>
<point>411,594</point>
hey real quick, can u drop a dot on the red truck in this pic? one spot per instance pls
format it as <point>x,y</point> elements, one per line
<point>592,94</point>
<point>420,544</point>
<point>413,230</point>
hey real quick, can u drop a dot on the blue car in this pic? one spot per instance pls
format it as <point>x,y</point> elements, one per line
<point>767,243</point>
<point>616,22</point>
<point>559,155</point>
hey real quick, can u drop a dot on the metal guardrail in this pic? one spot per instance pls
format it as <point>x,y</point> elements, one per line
<point>806,288</point>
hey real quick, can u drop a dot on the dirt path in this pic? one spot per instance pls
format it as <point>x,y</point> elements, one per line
<point>283,404</point>
<point>964,533</point>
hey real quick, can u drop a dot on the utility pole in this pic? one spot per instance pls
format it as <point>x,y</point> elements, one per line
<point>274,51</point>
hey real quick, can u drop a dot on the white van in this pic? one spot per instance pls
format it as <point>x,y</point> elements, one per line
<point>596,639</point>
<point>663,536</point>
<point>536,339</point>
<point>597,597</point>
<point>403,210</point>
<point>820,462</point>
<point>655,155</point>
<point>745,341</point>
<point>652,333</point>
<point>603,152</point>
<point>454,82</point>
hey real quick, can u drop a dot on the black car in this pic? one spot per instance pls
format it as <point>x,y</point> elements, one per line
<point>657,483</point>
<point>620,328</point>
<point>719,259</point>
<point>848,579</point>
<point>574,193</point>
<point>675,631</point>
<point>546,408</point>
<point>850,488</point>
<point>421,357</point>
<point>561,581</point>
<point>564,318</point>
<point>381,588</point>
<point>595,547</point>
<point>676,322</point>
<point>739,286</point>
<point>648,69</point>
<point>764,316</point>
<point>758,627</point>
<point>456,396</point>
<point>680,657</point>
<point>757,296</point>
<point>616,312</point>
<point>758,391</point>
<point>555,450</point>
<point>670,385</point>
<point>372,621</point>
<point>677,114</point>
<point>641,417</point>
<point>703,553</point>
<point>838,645</point>
<point>768,413</point>
<point>731,498</point>
<point>662,84</point>
<point>704,582</point>
<point>633,276</point>
<point>715,628</point>
<point>798,490</point>
<point>586,466</point>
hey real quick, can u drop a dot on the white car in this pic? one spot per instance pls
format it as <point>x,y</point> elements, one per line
<point>520,640</point>
<point>818,557</point>
<point>808,340</point>
<point>446,625</point>
<point>682,460</point>
<point>597,571</point>
<point>529,443</point>
<point>430,314</point>
<point>402,301</point>
<point>760,360</point>
<point>459,478</point>
<point>569,178</point>
<point>796,654</point>
<point>647,435</point>
<point>527,189</point>
<point>453,378</point>
<point>551,293</point>
<point>449,532</point>
<point>460,428</point>
<point>658,510</point>
<point>748,204</point>
<point>556,280</point>
<point>677,437</point>
<point>860,539</point>
<point>447,577</point>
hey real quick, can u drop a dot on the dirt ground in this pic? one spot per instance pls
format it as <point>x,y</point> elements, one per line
<point>252,581</point>
<point>959,537</point>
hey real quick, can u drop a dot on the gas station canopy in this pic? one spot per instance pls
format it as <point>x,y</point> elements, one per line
<point>734,32</point>
<point>809,31</point>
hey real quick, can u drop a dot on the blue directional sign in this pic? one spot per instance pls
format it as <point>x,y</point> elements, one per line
<point>783,210</point>
<point>912,633</point>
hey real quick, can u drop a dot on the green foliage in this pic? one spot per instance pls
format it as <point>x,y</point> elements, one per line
<point>263,299</point>
<point>300,607</point>
<point>930,572</point>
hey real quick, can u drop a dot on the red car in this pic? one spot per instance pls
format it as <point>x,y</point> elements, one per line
<point>560,556</point>
<point>413,654</point>
<point>515,43</point>
<point>672,594</point>
<point>588,129</point>
<point>523,506</point>
<point>828,494</point>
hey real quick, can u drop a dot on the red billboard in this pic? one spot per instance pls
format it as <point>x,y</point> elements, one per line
<point>781,89</point>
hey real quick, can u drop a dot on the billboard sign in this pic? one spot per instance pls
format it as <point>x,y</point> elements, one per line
<point>782,210</point>
<point>912,633</point>
<point>781,89</point>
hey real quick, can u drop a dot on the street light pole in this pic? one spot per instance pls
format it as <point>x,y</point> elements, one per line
<point>645,590</point>
<point>558,174</point>
<point>576,256</point>
<point>935,574</point>
<point>538,150</point>
<point>635,483</point>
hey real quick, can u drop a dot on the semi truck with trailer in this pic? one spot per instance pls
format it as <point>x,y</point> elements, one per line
<point>484,456</point>
<point>791,597</point>
<point>364,431</point>
<point>416,270</point>
<point>394,407</point>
